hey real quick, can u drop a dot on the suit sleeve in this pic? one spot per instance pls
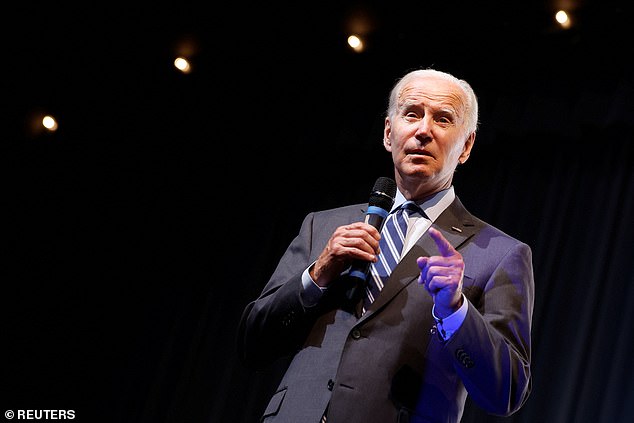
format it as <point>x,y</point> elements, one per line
<point>277,322</point>
<point>492,349</point>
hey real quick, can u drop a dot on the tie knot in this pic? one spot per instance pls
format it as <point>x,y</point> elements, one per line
<point>410,207</point>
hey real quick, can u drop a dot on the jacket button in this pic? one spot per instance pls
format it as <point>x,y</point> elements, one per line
<point>331,384</point>
<point>464,358</point>
<point>356,334</point>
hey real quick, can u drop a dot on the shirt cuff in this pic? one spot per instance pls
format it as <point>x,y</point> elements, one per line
<point>311,292</point>
<point>450,324</point>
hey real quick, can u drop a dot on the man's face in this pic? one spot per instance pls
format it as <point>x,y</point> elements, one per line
<point>427,136</point>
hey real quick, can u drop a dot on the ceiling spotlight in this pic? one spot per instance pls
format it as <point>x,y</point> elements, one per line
<point>356,43</point>
<point>49,123</point>
<point>563,19</point>
<point>182,65</point>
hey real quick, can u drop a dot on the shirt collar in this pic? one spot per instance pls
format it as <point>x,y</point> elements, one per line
<point>432,206</point>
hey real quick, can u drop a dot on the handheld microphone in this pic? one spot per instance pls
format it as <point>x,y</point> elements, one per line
<point>379,206</point>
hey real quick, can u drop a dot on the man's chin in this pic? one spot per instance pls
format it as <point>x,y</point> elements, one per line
<point>422,172</point>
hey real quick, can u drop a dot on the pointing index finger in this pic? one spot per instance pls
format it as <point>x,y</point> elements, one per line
<point>445,248</point>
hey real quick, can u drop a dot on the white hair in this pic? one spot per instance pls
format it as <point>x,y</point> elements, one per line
<point>471,101</point>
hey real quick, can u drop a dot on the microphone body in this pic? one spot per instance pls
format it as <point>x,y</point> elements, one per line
<point>375,216</point>
<point>379,206</point>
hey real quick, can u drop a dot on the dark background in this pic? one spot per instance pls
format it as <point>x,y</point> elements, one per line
<point>133,237</point>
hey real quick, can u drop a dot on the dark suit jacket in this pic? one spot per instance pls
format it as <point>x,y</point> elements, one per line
<point>390,365</point>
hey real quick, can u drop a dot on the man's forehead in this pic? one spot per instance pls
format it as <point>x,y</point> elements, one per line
<point>432,92</point>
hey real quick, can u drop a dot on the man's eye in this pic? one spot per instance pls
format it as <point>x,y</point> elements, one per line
<point>443,119</point>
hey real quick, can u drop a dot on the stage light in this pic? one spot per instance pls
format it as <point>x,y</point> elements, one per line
<point>49,123</point>
<point>39,123</point>
<point>182,65</point>
<point>563,19</point>
<point>356,43</point>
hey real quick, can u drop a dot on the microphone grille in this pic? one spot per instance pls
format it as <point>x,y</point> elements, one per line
<point>383,193</point>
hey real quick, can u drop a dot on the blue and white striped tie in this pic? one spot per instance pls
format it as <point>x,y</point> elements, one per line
<point>391,246</point>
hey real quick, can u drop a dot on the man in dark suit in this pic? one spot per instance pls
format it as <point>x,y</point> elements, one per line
<point>454,316</point>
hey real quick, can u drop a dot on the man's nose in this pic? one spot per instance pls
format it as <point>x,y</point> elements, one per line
<point>423,131</point>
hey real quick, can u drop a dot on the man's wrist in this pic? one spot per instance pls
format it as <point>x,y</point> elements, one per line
<point>449,324</point>
<point>440,312</point>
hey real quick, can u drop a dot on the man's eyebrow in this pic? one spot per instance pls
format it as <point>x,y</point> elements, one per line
<point>407,103</point>
<point>447,110</point>
<point>444,108</point>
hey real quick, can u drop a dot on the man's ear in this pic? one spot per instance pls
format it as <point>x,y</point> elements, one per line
<point>387,130</point>
<point>466,150</point>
